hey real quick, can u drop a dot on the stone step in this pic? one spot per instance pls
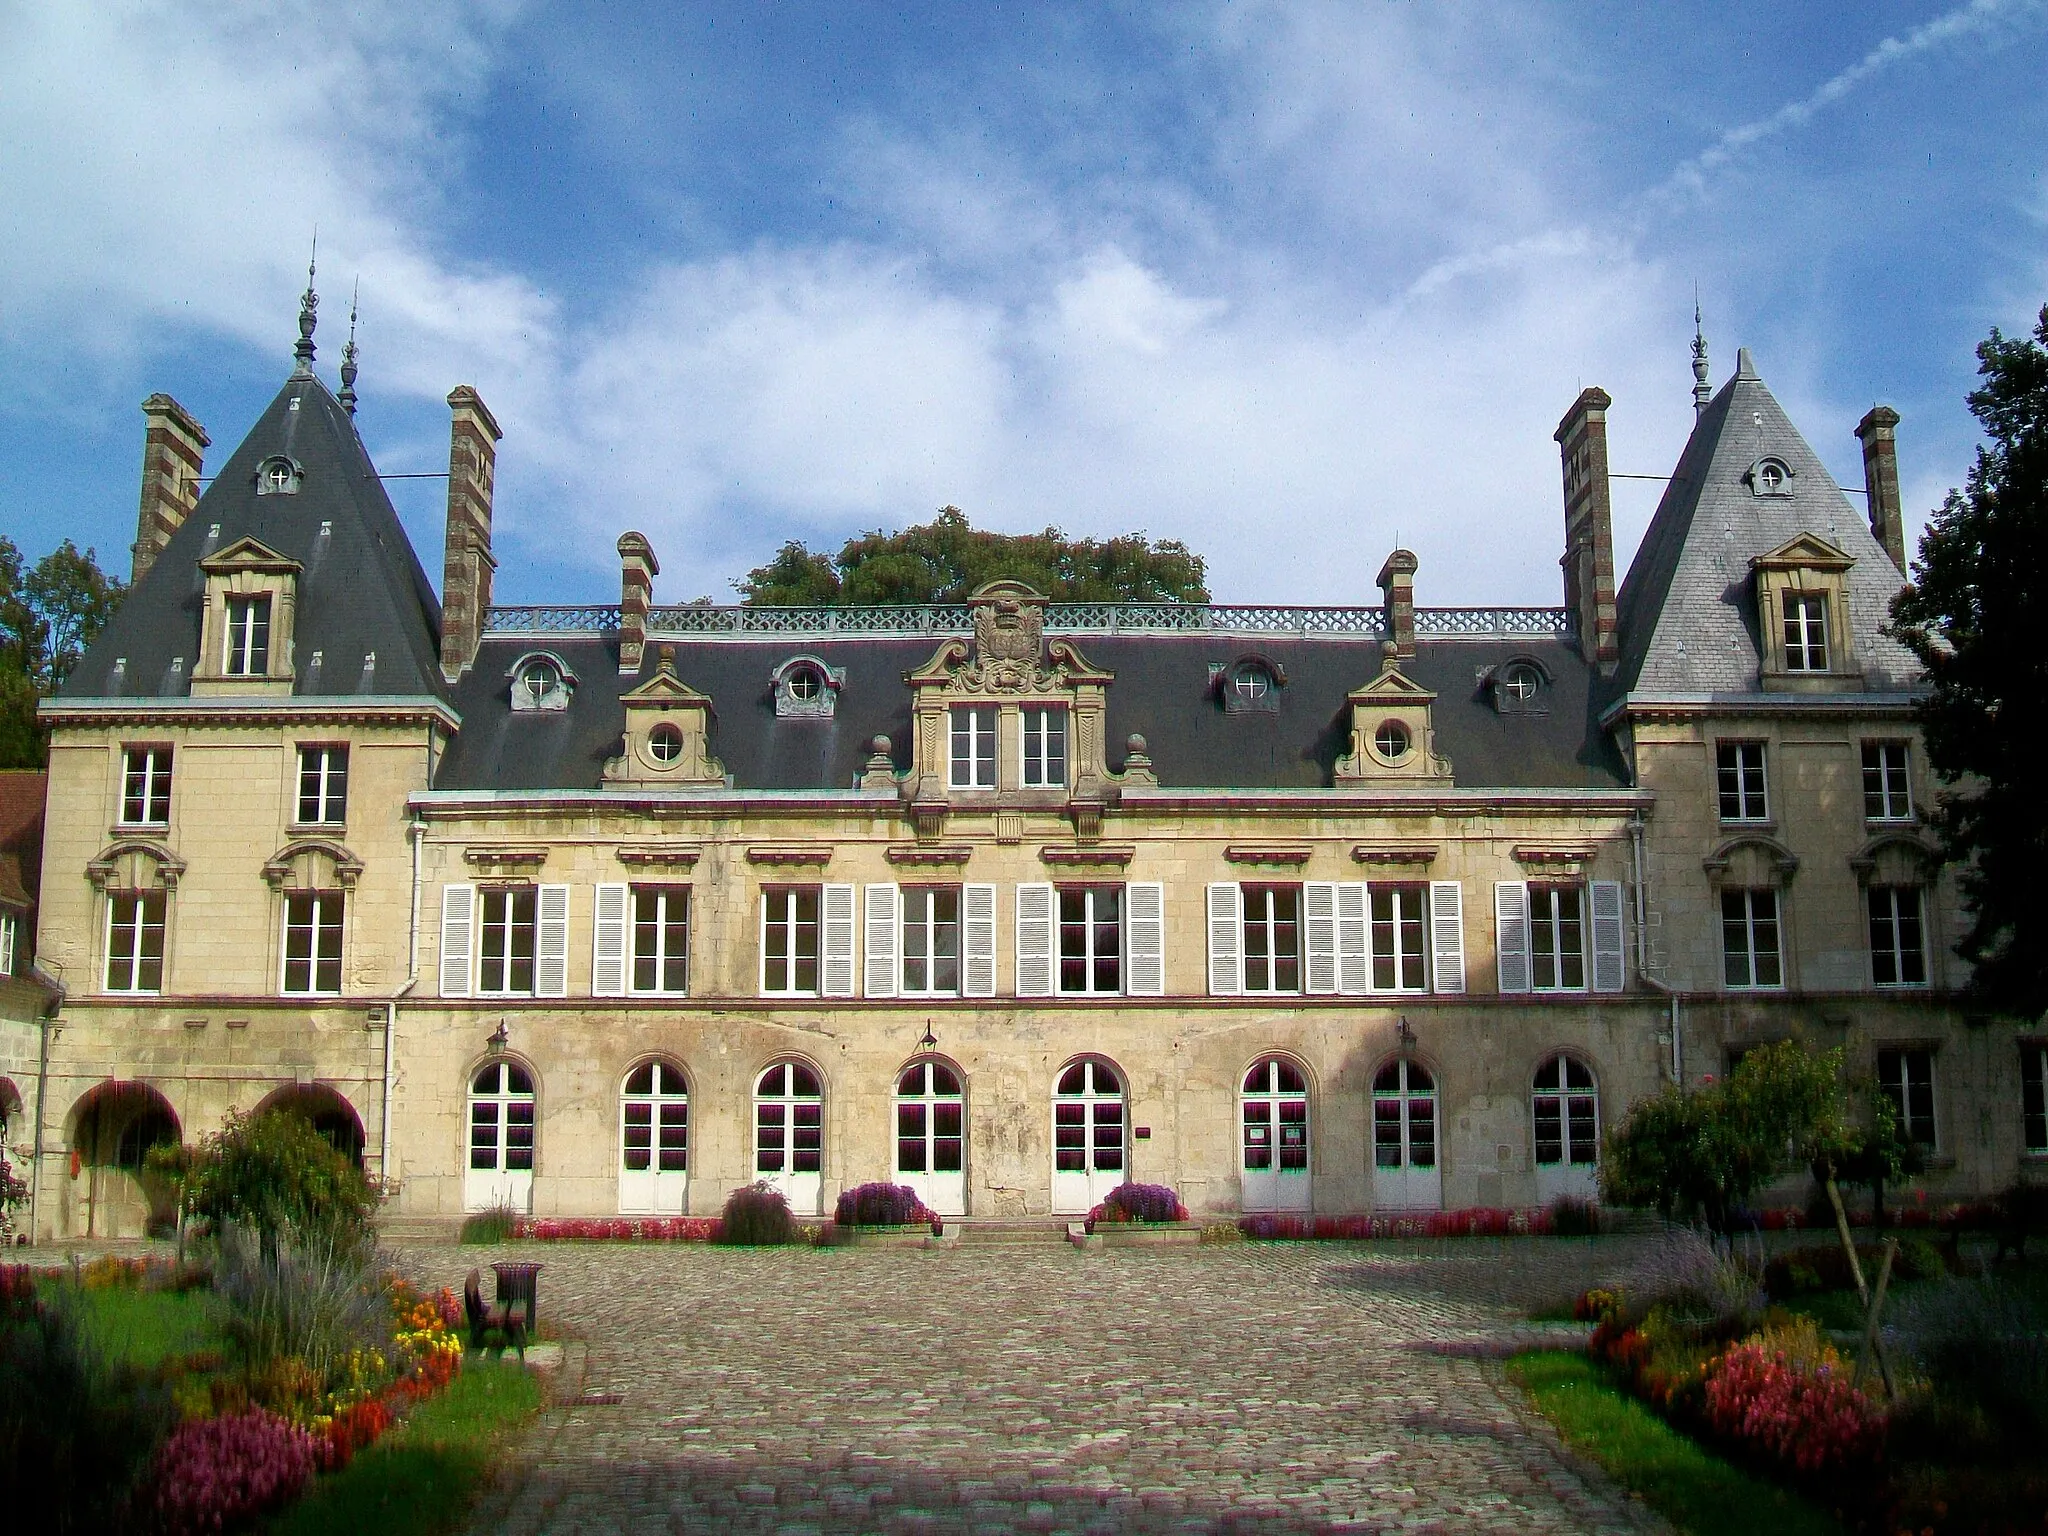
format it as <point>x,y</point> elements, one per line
<point>988,1231</point>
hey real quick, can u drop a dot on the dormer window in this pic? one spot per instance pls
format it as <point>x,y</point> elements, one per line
<point>1517,686</point>
<point>277,476</point>
<point>1806,632</point>
<point>540,683</point>
<point>664,744</point>
<point>1769,477</point>
<point>805,688</point>
<point>1391,741</point>
<point>1247,684</point>
<point>248,642</point>
<point>1520,682</point>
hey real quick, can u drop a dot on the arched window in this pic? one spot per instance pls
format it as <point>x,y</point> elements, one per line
<point>654,1140</point>
<point>931,1135</point>
<point>501,1140</point>
<point>1274,1123</point>
<point>1087,1135</point>
<point>1406,1175</point>
<point>789,1133</point>
<point>1566,1106</point>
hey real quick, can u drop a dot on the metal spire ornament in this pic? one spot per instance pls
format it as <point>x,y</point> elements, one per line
<point>309,316</point>
<point>1702,391</point>
<point>348,355</point>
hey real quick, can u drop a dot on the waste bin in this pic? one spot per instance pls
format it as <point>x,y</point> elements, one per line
<point>519,1284</point>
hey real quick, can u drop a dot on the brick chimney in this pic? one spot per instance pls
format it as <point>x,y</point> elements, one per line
<point>1589,527</point>
<point>469,564</point>
<point>1881,481</point>
<point>637,570</point>
<point>1397,582</point>
<point>173,453</point>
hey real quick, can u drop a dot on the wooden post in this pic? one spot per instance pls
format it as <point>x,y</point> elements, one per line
<point>1872,1344</point>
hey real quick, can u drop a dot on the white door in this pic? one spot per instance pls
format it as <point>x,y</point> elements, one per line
<point>500,1139</point>
<point>1087,1136</point>
<point>931,1136</point>
<point>654,1141</point>
<point>1275,1141</point>
<point>1405,1172</point>
<point>789,1134</point>
<point>1567,1114</point>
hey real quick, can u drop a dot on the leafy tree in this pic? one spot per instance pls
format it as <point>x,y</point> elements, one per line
<point>942,561</point>
<point>49,614</point>
<point>273,1172</point>
<point>1974,617</point>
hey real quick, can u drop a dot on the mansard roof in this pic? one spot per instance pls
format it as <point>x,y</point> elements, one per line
<point>360,587</point>
<point>1687,609</point>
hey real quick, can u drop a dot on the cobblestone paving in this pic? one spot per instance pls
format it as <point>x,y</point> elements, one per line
<point>1262,1387</point>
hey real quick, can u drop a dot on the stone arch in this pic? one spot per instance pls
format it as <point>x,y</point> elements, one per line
<point>109,1132</point>
<point>326,1109</point>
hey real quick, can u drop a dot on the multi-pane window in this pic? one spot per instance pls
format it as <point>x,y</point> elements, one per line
<point>135,941</point>
<point>1806,632</point>
<point>248,638</point>
<point>1739,770</point>
<point>789,941</point>
<point>1907,1078</point>
<point>1557,937</point>
<point>1567,1109</point>
<point>312,943</point>
<point>654,1120</point>
<point>1897,956</point>
<point>1398,937</point>
<point>1886,793</point>
<point>2034,1096</point>
<point>9,941</point>
<point>1091,938</point>
<point>1749,939</point>
<point>146,787</point>
<point>661,938</point>
<point>510,925</point>
<point>789,1120</point>
<point>974,747</point>
<point>1272,938</point>
<point>1045,748</point>
<point>323,786</point>
<point>931,941</point>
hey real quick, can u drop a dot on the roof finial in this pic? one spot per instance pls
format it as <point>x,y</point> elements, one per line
<point>309,313</point>
<point>1702,391</point>
<point>348,355</point>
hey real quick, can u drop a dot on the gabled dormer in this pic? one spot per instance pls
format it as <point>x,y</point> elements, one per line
<point>246,629</point>
<point>1805,643</point>
<point>668,735</point>
<point>1393,736</point>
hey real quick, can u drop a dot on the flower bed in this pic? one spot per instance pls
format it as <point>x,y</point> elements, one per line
<point>1478,1221</point>
<point>883,1205</point>
<point>1138,1204</point>
<point>639,1229</point>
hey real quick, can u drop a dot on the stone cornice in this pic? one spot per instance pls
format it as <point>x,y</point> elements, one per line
<point>1693,706</point>
<point>342,708</point>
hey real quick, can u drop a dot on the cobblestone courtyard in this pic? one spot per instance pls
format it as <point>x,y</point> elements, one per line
<point>1261,1387</point>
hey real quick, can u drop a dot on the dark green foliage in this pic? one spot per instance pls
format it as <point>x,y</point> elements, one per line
<point>486,1229</point>
<point>1974,617</point>
<point>756,1217</point>
<point>1984,1348</point>
<point>944,560</point>
<point>1573,1217</point>
<point>272,1172</point>
<point>49,614</point>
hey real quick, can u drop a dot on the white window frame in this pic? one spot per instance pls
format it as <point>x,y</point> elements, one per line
<point>2034,1098</point>
<point>136,954</point>
<point>1090,958</point>
<point>326,763</point>
<point>664,924</point>
<point>1901,1086</point>
<point>152,764</point>
<point>323,904</point>
<point>1887,782</point>
<point>1566,1099</point>
<point>1894,922</point>
<point>780,908</point>
<point>1748,809</point>
<point>1750,923</point>
<point>1806,630</point>
<point>10,930</point>
<point>240,656</point>
<point>1396,890</point>
<point>930,928</point>
<point>1042,749</point>
<point>974,726</point>
<point>1269,928</point>
<point>550,925</point>
<point>1556,926</point>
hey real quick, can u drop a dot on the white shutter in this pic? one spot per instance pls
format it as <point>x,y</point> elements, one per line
<point>1226,940</point>
<point>978,941</point>
<point>1354,960</point>
<point>1319,934</point>
<point>1145,939</point>
<point>458,938</point>
<point>884,928</point>
<point>835,941</point>
<point>551,942</point>
<point>1034,941</point>
<point>1608,970</point>
<point>1511,934</point>
<point>608,942</point>
<point>1447,935</point>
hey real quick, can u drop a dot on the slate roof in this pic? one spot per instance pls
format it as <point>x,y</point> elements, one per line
<point>1162,691</point>
<point>362,589</point>
<point>1687,609</point>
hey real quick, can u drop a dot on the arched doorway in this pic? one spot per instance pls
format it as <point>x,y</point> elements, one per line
<point>1565,1109</point>
<point>1274,1143</point>
<point>931,1135</point>
<point>501,1138</point>
<point>789,1134</point>
<point>1406,1175</point>
<point>113,1128</point>
<point>654,1140</point>
<point>1087,1135</point>
<point>324,1108</point>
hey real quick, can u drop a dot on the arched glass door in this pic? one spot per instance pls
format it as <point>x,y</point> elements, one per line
<point>1087,1136</point>
<point>654,1141</point>
<point>500,1139</point>
<point>1567,1116</point>
<point>1274,1123</point>
<point>931,1136</point>
<point>789,1134</point>
<point>1405,1171</point>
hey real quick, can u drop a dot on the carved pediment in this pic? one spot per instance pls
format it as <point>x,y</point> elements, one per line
<point>668,734</point>
<point>247,554</point>
<point>1803,552</point>
<point>1009,654</point>
<point>1392,686</point>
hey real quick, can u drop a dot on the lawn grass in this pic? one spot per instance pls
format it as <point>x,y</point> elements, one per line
<point>1690,1486</point>
<point>421,1478</point>
<point>144,1328</point>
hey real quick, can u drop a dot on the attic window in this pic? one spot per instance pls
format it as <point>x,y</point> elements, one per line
<point>540,683</point>
<point>1520,682</point>
<point>664,744</point>
<point>277,476</point>
<point>1770,477</point>
<point>1391,741</point>
<point>1518,687</point>
<point>1249,683</point>
<point>806,688</point>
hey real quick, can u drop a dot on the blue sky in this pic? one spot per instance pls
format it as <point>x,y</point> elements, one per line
<point>1285,281</point>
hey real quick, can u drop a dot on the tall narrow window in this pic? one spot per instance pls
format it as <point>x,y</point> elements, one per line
<point>1897,956</point>
<point>2034,1096</point>
<point>9,942</point>
<point>323,786</point>
<point>135,941</point>
<point>931,941</point>
<point>789,942</point>
<point>1806,632</point>
<point>248,638</point>
<point>1739,768</point>
<point>1272,938</point>
<point>1045,748</point>
<point>1567,1111</point>
<point>1749,939</point>
<point>1907,1078</point>
<point>789,1120</point>
<point>1398,942</point>
<point>510,929</point>
<point>661,939</point>
<point>1091,939</point>
<point>1557,937</point>
<point>312,943</point>
<point>1887,795</point>
<point>974,747</point>
<point>146,787</point>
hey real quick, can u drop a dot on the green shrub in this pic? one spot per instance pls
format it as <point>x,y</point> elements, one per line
<point>488,1228</point>
<point>274,1172</point>
<point>1985,1351</point>
<point>1571,1216</point>
<point>757,1217</point>
<point>309,1298</point>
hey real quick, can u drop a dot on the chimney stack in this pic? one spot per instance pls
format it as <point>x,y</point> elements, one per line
<point>1881,481</point>
<point>637,570</point>
<point>173,454</point>
<point>468,563</point>
<point>1589,528</point>
<point>1397,582</point>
